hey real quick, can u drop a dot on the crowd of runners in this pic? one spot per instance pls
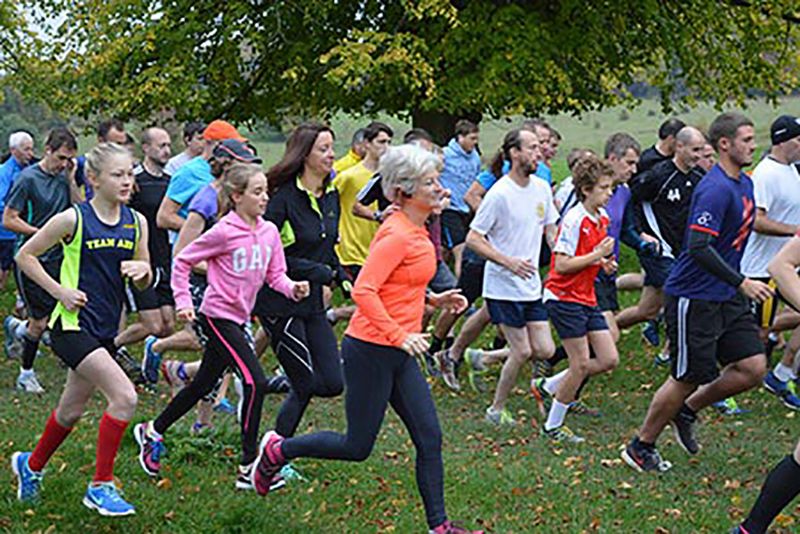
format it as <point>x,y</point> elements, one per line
<point>206,251</point>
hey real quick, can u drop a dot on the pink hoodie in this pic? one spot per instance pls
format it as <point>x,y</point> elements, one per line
<point>240,259</point>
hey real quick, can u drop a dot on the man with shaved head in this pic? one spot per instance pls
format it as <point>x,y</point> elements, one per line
<point>155,305</point>
<point>663,193</point>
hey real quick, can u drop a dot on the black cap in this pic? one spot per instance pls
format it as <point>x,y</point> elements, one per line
<point>784,128</point>
<point>234,149</point>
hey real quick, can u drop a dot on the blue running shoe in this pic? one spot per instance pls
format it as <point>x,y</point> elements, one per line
<point>151,363</point>
<point>774,385</point>
<point>650,333</point>
<point>290,474</point>
<point>225,406</point>
<point>29,482</point>
<point>729,406</point>
<point>105,498</point>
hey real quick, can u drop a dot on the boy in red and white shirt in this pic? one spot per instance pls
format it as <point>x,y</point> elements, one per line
<point>582,248</point>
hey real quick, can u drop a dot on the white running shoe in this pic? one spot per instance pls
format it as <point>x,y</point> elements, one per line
<point>29,383</point>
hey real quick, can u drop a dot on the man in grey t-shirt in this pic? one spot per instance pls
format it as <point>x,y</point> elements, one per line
<point>41,191</point>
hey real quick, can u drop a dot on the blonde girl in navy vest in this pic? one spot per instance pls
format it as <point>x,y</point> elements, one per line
<point>105,247</point>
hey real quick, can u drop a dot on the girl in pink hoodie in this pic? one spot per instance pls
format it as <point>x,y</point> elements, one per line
<point>242,252</point>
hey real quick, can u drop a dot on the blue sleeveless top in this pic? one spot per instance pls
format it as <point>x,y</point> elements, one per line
<point>92,260</point>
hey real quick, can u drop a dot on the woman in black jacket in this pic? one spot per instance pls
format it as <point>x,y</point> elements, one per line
<point>305,208</point>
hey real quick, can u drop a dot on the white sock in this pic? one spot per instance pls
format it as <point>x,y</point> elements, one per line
<point>551,384</point>
<point>555,418</point>
<point>25,373</point>
<point>784,373</point>
<point>150,431</point>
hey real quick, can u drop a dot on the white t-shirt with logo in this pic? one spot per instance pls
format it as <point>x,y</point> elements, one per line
<point>777,191</point>
<point>513,219</point>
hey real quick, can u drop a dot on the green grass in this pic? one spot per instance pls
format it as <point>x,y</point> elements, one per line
<point>509,480</point>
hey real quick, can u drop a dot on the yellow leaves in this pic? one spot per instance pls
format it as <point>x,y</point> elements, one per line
<point>732,484</point>
<point>784,520</point>
<point>164,484</point>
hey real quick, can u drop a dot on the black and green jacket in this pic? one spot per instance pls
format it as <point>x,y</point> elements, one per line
<point>309,228</point>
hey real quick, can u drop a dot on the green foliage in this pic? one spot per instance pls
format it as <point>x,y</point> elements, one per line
<point>268,60</point>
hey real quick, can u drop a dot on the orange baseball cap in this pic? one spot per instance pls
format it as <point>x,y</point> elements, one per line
<point>220,130</point>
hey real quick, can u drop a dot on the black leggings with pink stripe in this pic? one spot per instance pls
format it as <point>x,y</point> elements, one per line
<point>227,346</point>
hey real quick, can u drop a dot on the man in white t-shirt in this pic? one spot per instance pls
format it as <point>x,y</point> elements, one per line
<point>507,230</point>
<point>776,185</point>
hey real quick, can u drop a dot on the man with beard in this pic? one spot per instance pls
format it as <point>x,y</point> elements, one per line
<point>707,308</point>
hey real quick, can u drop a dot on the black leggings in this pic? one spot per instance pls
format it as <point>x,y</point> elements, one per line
<point>226,346</point>
<point>376,376</point>
<point>306,349</point>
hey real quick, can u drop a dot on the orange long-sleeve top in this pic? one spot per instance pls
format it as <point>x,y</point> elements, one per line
<point>390,289</point>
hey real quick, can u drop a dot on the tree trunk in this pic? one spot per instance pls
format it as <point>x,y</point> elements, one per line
<point>441,125</point>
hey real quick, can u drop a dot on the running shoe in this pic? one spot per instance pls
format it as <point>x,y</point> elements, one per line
<point>475,369</point>
<point>562,434</point>
<point>449,527</point>
<point>662,359</point>
<point>174,373</point>
<point>543,399</point>
<point>199,428</point>
<point>290,474</point>
<point>131,367</point>
<point>729,406</point>
<point>225,406</point>
<point>105,498</point>
<point>150,450</point>
<point>790,400</point>
<point>28,383</point>
<point>431,367</point>
<point>500,418</point>
<point>29,482</point>
<point>151,361</point>
<point>650,333</point>
<point>278,384</point>
<point>244,479</point>
<point>542,369</point>
<point>447,368</point>
<point>774,385</point>
<point>11,344</point>
<point>579,408</point>
<point>269,463</point>
<point>644,459</point>
<point>684,426</point>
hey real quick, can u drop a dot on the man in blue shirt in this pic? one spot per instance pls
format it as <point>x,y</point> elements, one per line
<point>708,301</point>
<point>462,163</point>
<point>20,145</point>
<point>192,177</point>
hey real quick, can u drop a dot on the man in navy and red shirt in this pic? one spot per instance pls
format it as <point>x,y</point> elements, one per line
<point>707,301</point>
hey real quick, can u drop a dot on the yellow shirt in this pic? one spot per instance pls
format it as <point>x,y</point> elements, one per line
<point>355,233</point>
<point>349,160</point>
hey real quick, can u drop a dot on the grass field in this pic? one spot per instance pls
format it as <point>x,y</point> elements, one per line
<point>508,480</point>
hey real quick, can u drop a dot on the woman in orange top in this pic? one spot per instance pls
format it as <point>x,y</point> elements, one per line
<point>384,336</point>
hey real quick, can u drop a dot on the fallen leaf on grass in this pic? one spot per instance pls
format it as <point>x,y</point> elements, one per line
<point>732,484</point>
<point>169,516</point>
<point>164,484</point>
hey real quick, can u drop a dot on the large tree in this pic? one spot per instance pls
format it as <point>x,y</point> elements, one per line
<point>432,59</point>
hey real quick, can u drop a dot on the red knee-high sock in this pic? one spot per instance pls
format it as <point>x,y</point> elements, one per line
<point>52,437</point>
<point>109,436</point>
